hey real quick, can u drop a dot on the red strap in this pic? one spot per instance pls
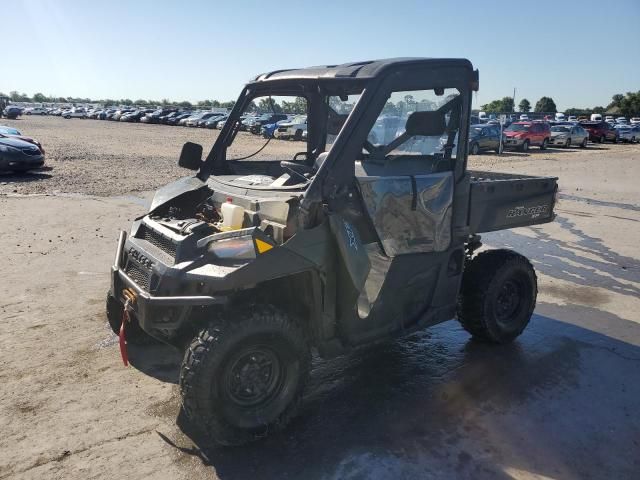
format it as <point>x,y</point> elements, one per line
<point>123,340</point>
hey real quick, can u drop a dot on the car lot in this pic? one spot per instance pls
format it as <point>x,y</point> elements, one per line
<point>555,404</point>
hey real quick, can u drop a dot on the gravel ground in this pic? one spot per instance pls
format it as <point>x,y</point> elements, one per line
<point>112,158</point>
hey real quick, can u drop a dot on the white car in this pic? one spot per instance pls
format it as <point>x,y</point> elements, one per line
<point>609,119</point>
<point>596,117</point>
<point>35,111</point>
<point>524,117</point>
<point>560,117</point>
<point>635,121</point>
<point>621,121</point>
<point>77,112</point>
<point>572,118</point>
<point>567,135</point>
<point>292,129</point>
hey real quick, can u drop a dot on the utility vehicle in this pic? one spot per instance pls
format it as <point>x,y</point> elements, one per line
<point>255,260</point>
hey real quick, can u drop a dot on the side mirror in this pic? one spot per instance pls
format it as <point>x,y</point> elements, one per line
<point>191,156</point>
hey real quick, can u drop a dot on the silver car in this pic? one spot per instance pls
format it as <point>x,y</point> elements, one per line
<point>627,133</point>
<point>567,135</point>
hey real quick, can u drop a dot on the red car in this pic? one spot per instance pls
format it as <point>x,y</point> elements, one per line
<point>600,132</point>
<point>522,135</point>
<point>12,132</point>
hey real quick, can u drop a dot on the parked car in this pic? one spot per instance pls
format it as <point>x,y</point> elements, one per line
<point>522,135</point>
<point>621,121</point>
<point>35,111</point>
<point>484,137</point>
<point>596,117</point>
<point>213,121</point>
<point>178,118</point>
<point>154,116</point>
<point>205,117</point>
<point>524,117</point>
<point>12,112</point>
<point>12,132</point>
<point>567,135</point>
<point>600,131</point>
<point>134,116</point>
<point>560,117</point>
<point>266,119</point>
<point>76,112</point>
<point>609,119</point>
<point>572,118</point>
<point>267,131</point>
<point>292,129</point>
<point>19,156</point>
<point>626,133</point>
<point>482,117</point>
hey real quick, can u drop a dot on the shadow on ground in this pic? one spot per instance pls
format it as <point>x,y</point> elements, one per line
<point>585,261</point>
<point>25,177</point>
<point>562,402</point>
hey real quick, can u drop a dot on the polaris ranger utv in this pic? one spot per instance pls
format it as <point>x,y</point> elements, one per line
<point>368,232</point>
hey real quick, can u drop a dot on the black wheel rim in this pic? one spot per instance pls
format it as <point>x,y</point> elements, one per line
<point>254,376</point>
<point>509,301</point>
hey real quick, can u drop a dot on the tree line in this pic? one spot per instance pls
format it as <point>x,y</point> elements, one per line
<point>15,96</point>
<point>627,105</point>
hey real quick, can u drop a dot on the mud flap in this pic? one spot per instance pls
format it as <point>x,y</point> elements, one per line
<point>352,251</point>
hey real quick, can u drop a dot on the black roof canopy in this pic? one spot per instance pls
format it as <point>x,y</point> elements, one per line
<point>360,70</point>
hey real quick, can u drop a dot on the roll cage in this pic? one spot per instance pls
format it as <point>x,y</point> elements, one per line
<point>373,81</point>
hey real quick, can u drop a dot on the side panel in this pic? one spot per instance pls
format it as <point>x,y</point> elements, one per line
<point>410,213</point>
<point>501,201</point>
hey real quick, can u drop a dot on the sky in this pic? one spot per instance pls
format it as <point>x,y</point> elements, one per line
<point>580,53</point>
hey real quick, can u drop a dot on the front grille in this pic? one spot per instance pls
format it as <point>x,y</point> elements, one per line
<point>282,129</point>
<point>138,275</point>
<point>31,151</point>
<point>158,240</point>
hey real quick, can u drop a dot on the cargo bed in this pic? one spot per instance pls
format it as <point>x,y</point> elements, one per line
<point>498,201</point>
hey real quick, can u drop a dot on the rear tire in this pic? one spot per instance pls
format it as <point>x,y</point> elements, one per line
<point>241,379</point>
<point>498,295</point>
<point>133,332</point>
<point>545,142</point>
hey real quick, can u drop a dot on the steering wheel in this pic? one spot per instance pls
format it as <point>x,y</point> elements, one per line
<point>297,169</point>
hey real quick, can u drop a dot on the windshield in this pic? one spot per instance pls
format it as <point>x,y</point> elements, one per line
<point>560,129</point>
<point>9,131</point>
<point>254,142</point>
<point>518,127</point>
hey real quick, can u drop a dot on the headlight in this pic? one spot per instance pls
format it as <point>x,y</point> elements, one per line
<point>562,135</point>
<point>241,248</point>
<point>244,244</point>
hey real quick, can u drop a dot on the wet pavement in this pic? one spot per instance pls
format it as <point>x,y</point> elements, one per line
<point>561,402</point>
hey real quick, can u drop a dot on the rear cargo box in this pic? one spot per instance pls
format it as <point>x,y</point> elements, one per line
<point>501,200</point>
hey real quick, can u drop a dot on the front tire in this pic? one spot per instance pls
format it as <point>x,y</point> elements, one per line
<point>243,378</point>
<point>525,146</point>
<point>584,143</point>
<point>475,149</point>
<point>567,144</point>
<point>498,295</point>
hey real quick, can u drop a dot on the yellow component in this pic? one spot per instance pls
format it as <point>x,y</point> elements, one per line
<point>262,246</point>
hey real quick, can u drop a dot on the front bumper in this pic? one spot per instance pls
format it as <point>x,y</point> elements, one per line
<point>511,142</point>
<point>159,316</point>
